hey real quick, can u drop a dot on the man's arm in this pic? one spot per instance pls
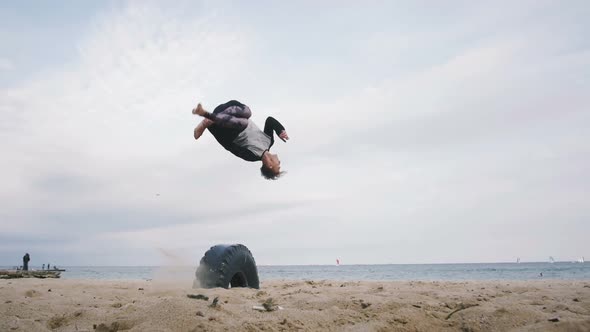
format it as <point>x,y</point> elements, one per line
<point>271,125</point>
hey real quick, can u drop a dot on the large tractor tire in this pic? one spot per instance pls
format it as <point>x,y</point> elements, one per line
<point>227,266</point>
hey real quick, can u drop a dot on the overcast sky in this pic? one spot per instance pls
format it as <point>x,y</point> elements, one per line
<point>421,131</point>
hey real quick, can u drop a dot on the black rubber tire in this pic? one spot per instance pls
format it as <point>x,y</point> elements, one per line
<point>227,265</point>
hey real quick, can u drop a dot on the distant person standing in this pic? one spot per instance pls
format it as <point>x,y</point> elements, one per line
<point>43,268</point>
<point>26,259</point>
<point>48,266</point>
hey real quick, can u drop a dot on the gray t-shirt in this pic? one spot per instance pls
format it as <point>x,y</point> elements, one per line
<point>253,139</point>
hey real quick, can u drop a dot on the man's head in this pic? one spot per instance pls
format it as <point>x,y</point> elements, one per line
<point>271,166</point>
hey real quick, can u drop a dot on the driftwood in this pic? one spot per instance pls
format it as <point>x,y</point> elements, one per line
<point>461,307</point>
<point>198,297</point>
<point>14,274</point>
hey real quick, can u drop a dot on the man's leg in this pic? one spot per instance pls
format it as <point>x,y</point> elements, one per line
<point>201,127</point>
<point>237,111</point>
<point>233,117</point>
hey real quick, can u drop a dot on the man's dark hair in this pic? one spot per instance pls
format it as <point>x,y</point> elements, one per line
<point>268,173</point>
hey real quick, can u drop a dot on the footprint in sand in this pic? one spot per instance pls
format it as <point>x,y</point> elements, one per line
<point>32,293</point>
<point>115,326</point>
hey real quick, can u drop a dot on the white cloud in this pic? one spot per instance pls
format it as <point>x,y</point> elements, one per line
<point>6,65</point>
<point>485,136</point>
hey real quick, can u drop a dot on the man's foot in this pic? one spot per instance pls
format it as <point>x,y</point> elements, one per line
<point>199,110</point>
<point>201,127</point>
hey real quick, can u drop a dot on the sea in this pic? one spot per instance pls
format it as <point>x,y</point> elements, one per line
<point>424,272</point>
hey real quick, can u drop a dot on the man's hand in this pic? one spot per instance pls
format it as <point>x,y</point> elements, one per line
<point>283,135</point>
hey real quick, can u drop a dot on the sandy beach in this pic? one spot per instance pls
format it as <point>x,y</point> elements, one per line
<point>144,305</point>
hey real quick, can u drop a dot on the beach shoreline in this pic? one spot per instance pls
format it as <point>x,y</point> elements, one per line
<point>307,305</point>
